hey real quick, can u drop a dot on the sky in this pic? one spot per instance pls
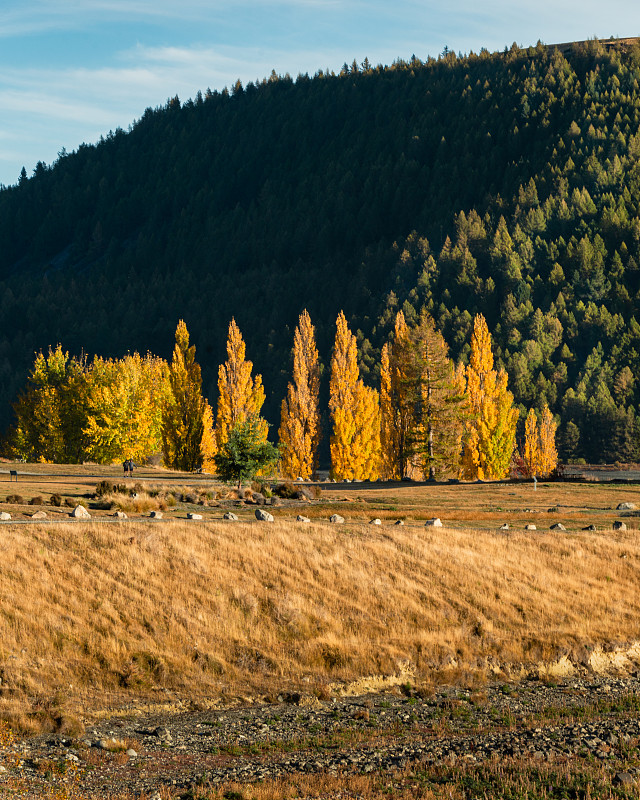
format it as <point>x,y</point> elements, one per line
<point>72,70</point>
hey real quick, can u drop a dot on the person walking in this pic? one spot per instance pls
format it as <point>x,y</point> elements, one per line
<point>131,466</point>
<point>125,466</point>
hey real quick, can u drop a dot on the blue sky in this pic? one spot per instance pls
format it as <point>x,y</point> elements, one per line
<point>71,70</point>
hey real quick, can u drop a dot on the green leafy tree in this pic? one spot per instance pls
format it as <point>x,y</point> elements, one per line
<point>245,454</point>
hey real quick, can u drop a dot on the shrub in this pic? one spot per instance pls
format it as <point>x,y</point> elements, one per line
<point>38,500</point>
<point>55,500</point>
<point>15,499</point>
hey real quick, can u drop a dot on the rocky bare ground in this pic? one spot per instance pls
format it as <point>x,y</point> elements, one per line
<point>593,718</point>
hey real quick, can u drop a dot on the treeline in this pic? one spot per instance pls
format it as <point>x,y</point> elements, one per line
<point>505,185</point>
<point>427,419</point>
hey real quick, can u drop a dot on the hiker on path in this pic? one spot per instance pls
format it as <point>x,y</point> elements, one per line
<point>131,466</point>
<point>125,465</point>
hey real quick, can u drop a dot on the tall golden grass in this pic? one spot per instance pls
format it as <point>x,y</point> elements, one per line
<point>94,615</point>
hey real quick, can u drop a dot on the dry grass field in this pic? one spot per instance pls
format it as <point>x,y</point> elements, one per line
<point>97,615</point>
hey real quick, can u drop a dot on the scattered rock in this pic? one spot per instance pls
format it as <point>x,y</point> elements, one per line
<point>376,521</point>
<point>194,516</point>
<point>558,526</point>
<point>80,512</point>
<point>5,515</point>
<point>589,528</point>
<point>530,527</point>
<point>39,515</point>
<point>399,522</point>
<point>132,753</point>
<point>436,522</point>
<point>627,507</point>
<point>120,515</point>
<point>504,526</point>
<point>336,518</point>
<point>300,518</point>
<point>619,526</point>
<point>623,779</point>
<point>230,515</point>
<point>263,516</point>
<point>156,514</point>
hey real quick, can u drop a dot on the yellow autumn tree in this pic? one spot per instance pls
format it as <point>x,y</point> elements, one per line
<point>547,453</point>
<point>184,412</point>
<point>300,420</point>
<point>395,408</point>
<point>125,402</point>
<point>51,412</point>
<point>355,413</point>
<point>239,395</point>
<point>531,450</point>
<point>491,428</point>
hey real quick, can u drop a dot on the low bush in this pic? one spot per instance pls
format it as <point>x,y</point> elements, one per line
<point>16,499</point>
<point>55,500</point>
<point>38,500</point>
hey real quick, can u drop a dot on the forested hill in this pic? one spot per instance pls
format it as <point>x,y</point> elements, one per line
<point>507,184</point>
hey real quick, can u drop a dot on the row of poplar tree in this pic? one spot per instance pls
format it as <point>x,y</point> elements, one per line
<point>429,418</point>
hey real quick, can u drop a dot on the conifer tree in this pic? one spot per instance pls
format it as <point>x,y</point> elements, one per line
<point>437,403</point>
<point>184,410</point>
<point>239,395</point>
<point>548,454</point>
<point>396,413</point>
<point>490,431</point>
<point>531,451</point>
<point>355,439</point>
<point>300,421</point>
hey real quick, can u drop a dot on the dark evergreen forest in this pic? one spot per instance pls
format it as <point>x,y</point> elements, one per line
<point>506,184</point>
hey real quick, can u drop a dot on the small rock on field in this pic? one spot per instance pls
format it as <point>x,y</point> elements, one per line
<point>558,526</point>
<point>504,526</point>
<point>80,512</point>
<point>120,515</point>
<point>619,526</point>
<point>627,507</point>
<point>194,516</point>
<point>436,522</point>
<point>5,515</point>
<point>399,522</point>
<point>376,521</point>
<point>263,516</point>
<point>530,527</point>
<point>589,528</point>
<point>230,515</point>
<point>39,515</point>
<point>132,753</point>
<point>623,779</point>
<point>156,514</point>
<point>336,518</point>
<point>301,518</point>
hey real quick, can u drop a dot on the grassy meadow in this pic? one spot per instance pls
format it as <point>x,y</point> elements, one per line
<point>100,615</point>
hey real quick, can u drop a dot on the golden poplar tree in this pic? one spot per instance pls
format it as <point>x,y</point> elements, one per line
<point>125,402</point>
<point>490,430</point>
<point>300,420</point>
<point>395,408</point>
<point>531,450</point>
<point>239,395</point>
<point>184,411</point>
<point>355,413</point>
<point>548,455</point>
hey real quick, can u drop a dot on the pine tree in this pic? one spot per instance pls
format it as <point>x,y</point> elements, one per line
<point>490,431</point>
<point>396,413</point>
<point>437,404</point>
<point>184,411</point>
<point>239,395</point>
<point>355,413</point>
<point>300,421</point>
<point>547,452</point>
<point>531,450</point>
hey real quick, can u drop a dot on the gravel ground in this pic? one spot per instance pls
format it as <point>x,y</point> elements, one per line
<point>590,717</point>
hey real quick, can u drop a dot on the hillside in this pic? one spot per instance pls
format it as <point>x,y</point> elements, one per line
<point>506,184</point>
